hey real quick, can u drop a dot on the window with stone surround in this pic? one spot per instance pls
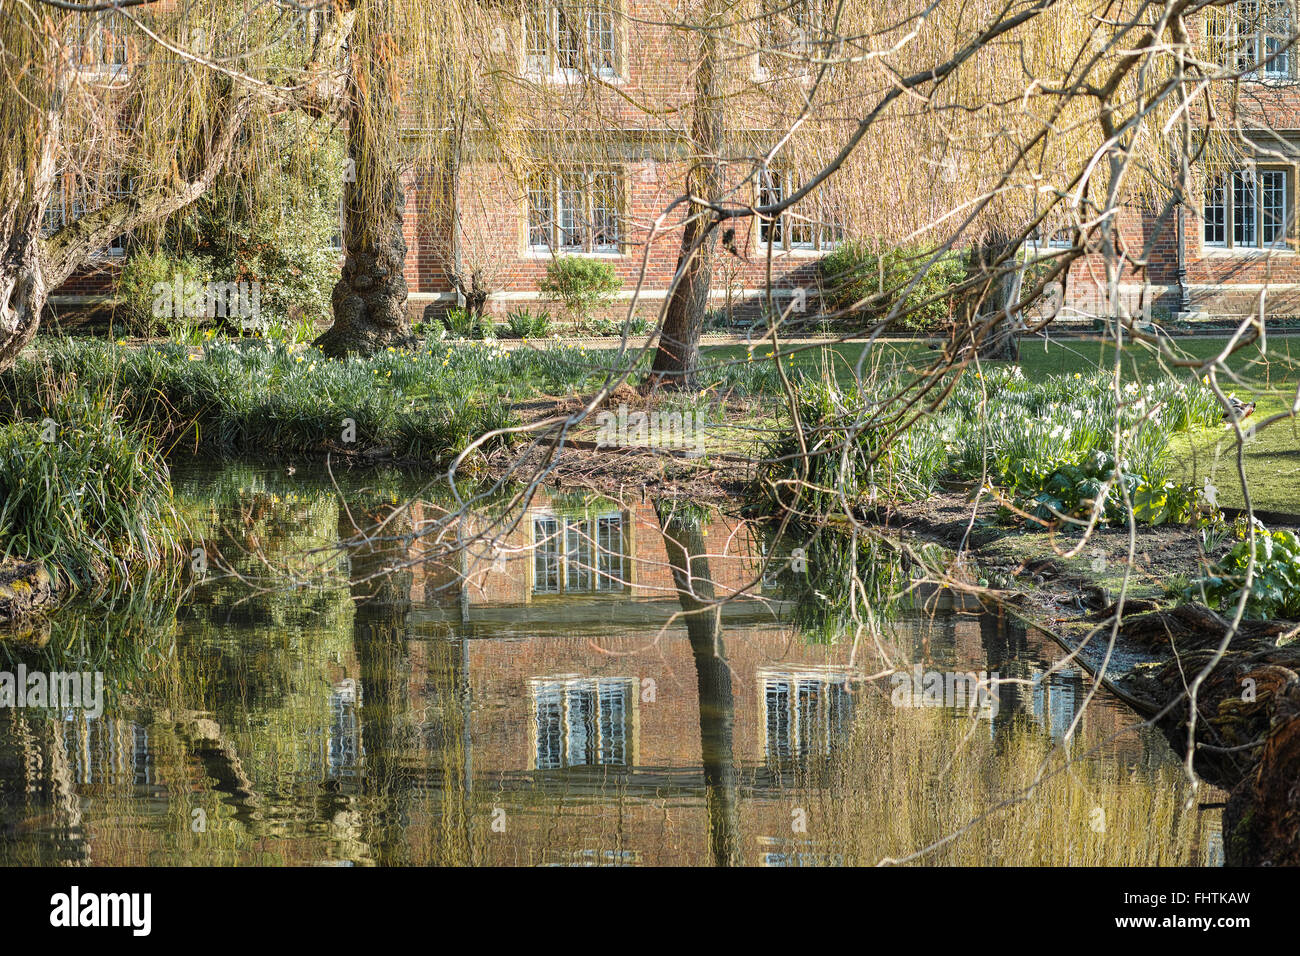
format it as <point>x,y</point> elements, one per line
<point>1252,38</point>
<point>794,230</point>
<point>576,211</point>
<point>582,721</point>
<point>570,38</point>
<point>790,32</point>
<point>97,43</point>
<point>69,202</point>
<point>1246,209</point>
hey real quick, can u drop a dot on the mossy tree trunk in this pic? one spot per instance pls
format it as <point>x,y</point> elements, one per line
<point>369,300</point>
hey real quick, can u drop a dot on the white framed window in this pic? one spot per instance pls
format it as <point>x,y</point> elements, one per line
<point>807,713</point>
<point>579,554</point>
<point>792,230</point>
<point>569,38</point>
<point>68,203</point>
<point>1046,239</point>
<point>1246,208</point>
<point>576,211</point>
<point>789,32</point>
<point>1252,38</point>
<point>582,721</point>
<point>97,43</point>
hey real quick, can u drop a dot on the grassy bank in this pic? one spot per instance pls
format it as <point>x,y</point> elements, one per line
<point>1205,450</point>
<point>1065,446</point>
<point>265,399</point>
<point>86,494</point>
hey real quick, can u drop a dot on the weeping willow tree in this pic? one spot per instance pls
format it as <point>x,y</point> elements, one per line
<point>924,125</point>
<point>114,117</point>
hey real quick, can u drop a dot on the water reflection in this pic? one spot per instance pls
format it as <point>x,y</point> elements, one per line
<point>568,690</point>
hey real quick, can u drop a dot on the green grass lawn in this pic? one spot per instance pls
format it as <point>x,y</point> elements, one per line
<point>1272,457</point>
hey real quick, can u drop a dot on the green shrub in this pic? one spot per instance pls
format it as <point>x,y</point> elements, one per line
<point>633,326</point>
<point>275,228</point>
<point>461,323</point>
<point>1275,585</point>
<point>523,324</point>
<point>145,292</point>
<point>580,283</point>
<point>86,494</point>
<point>855,277</point>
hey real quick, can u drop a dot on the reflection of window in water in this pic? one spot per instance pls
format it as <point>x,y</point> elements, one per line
<point>593,858</point>
<point>103,750</point>
<point>783,851</point>
<point>582,721</point>
<point>345,729</point>
<point>141,758</point>
<point>578,554</point>
<point>808,713</point>
<point>1055,700</point>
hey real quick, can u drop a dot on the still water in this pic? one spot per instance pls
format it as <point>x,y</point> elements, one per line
<point>558,692</point>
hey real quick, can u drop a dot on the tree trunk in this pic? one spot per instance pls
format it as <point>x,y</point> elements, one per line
<point>23,294</point>
<point>369,300</point>
<point>993,326</point>
<point>678,355</point>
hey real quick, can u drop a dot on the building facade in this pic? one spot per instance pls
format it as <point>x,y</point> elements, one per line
<point>606,89</point>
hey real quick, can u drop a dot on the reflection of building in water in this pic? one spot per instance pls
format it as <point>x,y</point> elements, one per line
<point>808,711</point>
<point>578,554</point>
<point>786,851</point>
<point>1057,698</point>
<point>107,750</point>
<point>583,721</point>
<point>569,553</point>
<point>345,729</point>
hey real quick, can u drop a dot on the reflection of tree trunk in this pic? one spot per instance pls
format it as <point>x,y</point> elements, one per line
<point>382,598</point>
<point>684,541</point>
<point>1006,647</point>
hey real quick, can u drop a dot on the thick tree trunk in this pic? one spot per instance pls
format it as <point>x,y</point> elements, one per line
<point>992,326</point>
<point>369,299</point>
<point>678,354</point>
<point>23,294</point>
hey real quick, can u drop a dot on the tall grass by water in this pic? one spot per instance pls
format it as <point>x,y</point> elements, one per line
<point>421,406</point>
<point>86,494</point>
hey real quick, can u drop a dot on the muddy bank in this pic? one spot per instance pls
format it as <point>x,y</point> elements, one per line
<point>1246,718</point>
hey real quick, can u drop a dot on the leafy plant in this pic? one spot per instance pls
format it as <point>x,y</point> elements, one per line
<point>1275,585</point>
<point>871,284</point>
<point>523,324</point>
<point>85,493</point>
<point>582,284</point>
<point>146,292</point>
<point>463,324</point>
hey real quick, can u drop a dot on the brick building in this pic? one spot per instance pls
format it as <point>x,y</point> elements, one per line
<point>615,165</point>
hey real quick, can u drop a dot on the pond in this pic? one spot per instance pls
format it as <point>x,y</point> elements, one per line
<point>577,682</point>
